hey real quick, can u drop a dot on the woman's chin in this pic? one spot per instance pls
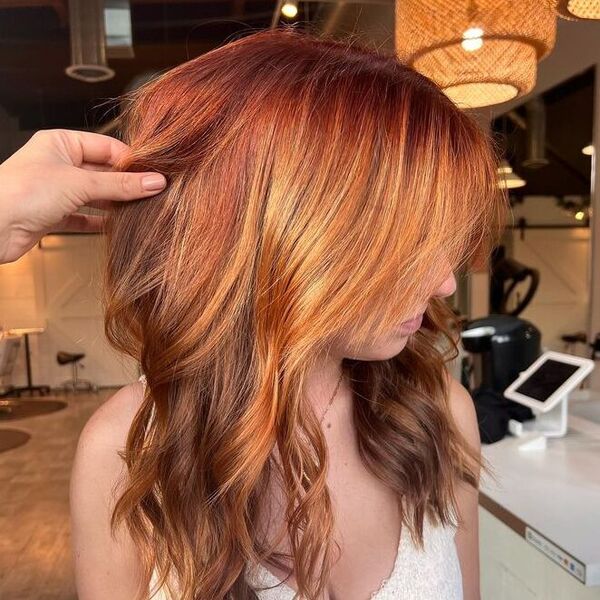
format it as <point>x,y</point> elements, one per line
<point>383,351</point>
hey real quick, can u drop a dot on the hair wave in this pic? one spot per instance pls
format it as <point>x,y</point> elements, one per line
<point>315,188</point>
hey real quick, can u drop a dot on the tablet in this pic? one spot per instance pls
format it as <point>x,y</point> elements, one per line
<point>548,380</point>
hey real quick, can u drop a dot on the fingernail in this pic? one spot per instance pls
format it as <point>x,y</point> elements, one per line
<point>153,183</point>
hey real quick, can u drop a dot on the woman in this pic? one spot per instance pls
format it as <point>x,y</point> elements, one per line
<point>296,427</point>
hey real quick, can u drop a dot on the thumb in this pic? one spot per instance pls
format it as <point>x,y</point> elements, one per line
<point>107,185</point>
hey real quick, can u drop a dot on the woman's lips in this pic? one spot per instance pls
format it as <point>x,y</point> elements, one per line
<point>411,326</point>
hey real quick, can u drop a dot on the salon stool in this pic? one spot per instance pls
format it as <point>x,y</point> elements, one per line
<point>74,384</point>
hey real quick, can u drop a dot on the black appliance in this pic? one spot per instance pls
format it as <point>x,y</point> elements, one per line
<point>506,345</point>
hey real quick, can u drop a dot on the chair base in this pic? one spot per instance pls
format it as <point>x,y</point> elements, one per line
<point>78,385</point>
<point>75,383</point>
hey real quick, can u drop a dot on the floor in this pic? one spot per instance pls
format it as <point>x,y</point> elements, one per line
<point>35,554</point>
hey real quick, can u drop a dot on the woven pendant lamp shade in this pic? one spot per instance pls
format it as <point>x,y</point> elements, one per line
<point>578,10</point>
<point>480,52</point>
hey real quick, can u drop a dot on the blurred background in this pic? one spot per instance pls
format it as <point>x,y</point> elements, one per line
<point>527,71</point>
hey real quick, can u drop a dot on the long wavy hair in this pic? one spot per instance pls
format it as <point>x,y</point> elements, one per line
<point>315,186</point>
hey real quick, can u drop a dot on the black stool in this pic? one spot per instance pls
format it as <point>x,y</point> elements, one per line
<point>74,384</point>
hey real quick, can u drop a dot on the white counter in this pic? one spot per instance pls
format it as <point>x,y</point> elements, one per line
<point>551,497</point>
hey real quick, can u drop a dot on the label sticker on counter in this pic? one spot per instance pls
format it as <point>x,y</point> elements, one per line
<point>559,556</point>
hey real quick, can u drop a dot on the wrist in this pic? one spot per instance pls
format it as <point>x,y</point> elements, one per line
<point>13,240</point>
<point>12,243</point>
<point>8,252</point>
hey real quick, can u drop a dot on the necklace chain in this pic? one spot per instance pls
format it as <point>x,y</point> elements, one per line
<point>332,397</point>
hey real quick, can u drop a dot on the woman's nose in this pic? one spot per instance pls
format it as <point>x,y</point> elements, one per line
<point>448,286</point>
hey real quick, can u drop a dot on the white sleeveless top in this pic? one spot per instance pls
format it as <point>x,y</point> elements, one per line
<point>429,574</point>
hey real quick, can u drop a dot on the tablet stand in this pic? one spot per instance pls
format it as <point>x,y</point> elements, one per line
<point>552,423</point>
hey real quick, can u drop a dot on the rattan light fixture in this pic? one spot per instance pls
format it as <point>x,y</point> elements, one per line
<point>578,10</point>
<point>480,52</point>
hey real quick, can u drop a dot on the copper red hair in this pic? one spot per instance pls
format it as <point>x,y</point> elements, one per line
<point>315,187</point>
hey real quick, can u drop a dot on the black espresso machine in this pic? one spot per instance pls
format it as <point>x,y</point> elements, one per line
<point>505,346</point>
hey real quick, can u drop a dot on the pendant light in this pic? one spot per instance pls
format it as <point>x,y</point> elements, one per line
<point>480,52</point>
<point>507,178</point>
<point>88,43</point>
<point>535,134</point>
<point>576,10</point>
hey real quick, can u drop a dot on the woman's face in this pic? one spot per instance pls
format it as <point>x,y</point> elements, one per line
<point>383,348</point>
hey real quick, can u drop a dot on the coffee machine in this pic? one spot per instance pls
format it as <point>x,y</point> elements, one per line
<point>501,345</point>
<point>505,346</point>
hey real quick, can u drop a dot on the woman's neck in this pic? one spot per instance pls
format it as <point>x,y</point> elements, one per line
<point>322,382</point>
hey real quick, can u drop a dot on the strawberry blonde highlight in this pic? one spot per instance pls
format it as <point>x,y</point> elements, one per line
<point>315,187</point>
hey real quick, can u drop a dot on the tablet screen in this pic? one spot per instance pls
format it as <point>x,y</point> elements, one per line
<point>546,379</point>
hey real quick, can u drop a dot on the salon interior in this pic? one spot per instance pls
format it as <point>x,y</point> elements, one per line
<point>529,340</point>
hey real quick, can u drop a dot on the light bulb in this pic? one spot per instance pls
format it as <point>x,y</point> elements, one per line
<point>507,178</point>
<point>289,9</point>
<point>472,39</point>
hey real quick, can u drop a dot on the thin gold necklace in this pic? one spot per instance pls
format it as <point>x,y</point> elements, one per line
<point>332,397</point>
<point>304,476</point>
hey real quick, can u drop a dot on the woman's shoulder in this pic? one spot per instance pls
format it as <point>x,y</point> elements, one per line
<point>462,408</point>
<point>97,479</point>
<point>104,435</point>
<point>97,461</point>
<point>109,424</point>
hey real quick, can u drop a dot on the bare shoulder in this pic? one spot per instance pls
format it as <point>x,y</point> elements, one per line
<point>97,461</point>
<point>466,537</point>
<point>109,424</point>
<point>103,562</point>
<point>463,411</point>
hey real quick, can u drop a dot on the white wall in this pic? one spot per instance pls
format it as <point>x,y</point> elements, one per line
<point>57,286</point>
<point>562,256</point>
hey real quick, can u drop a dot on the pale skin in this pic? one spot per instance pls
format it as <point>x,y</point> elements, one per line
<point>107,567</point>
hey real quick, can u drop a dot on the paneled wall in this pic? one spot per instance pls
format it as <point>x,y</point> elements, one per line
<point>57,286</point>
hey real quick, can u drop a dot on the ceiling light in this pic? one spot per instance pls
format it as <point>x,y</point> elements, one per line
<point>88,44</point>
<point>290,8</point>
<point>588,150</point>
<point>480,52</point>
<point>578,10</point>
<point>507,178</point>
